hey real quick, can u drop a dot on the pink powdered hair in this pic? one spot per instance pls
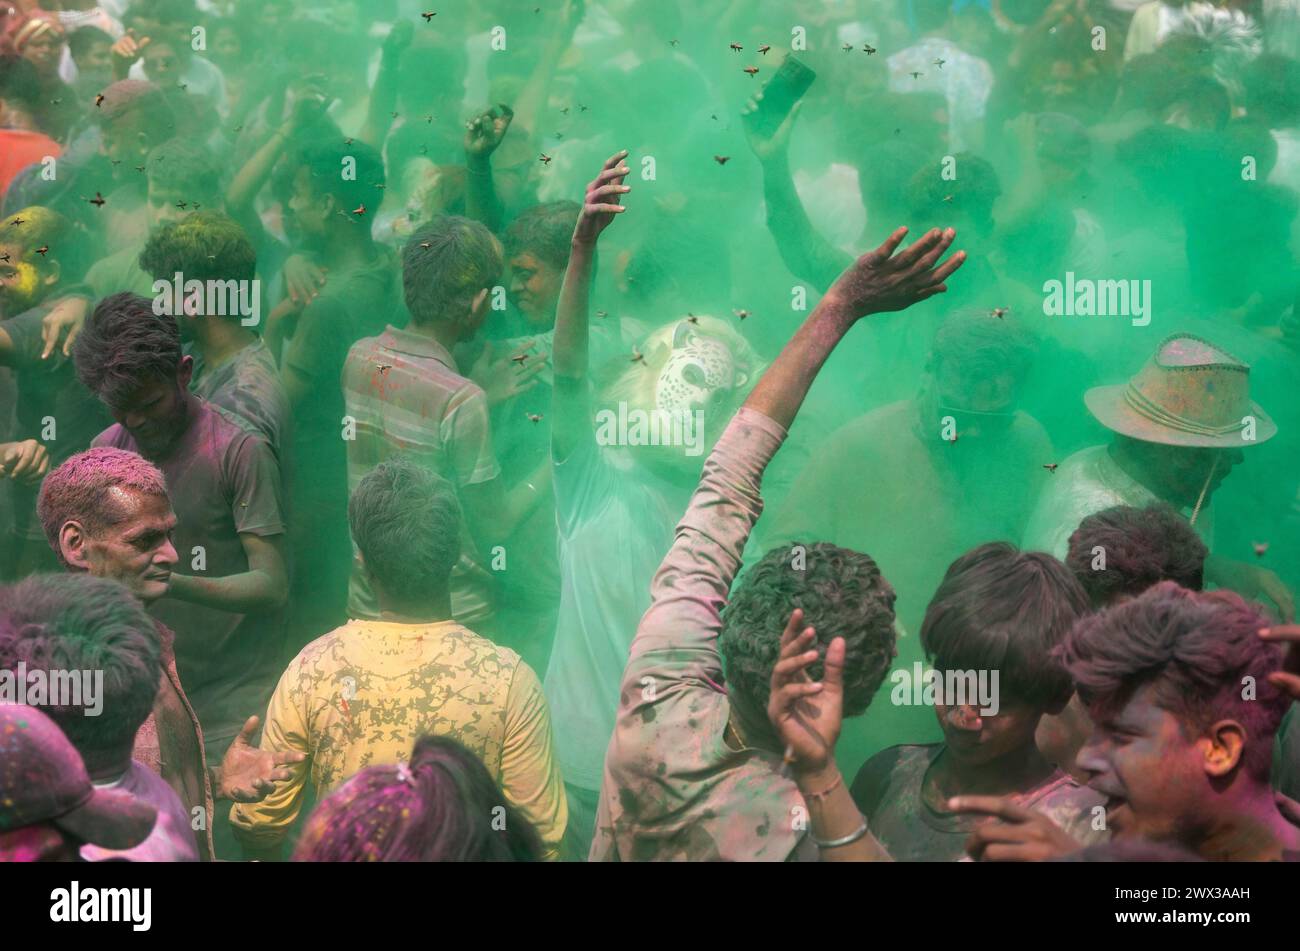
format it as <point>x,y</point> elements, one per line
<point>78,490</point>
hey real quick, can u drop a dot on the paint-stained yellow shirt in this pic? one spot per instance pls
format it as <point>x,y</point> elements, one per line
<point>364,693</point>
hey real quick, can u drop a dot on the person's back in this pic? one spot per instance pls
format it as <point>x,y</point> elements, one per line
<point>205,267</point>
<point>24,143</point>
<point>364,693</point>
<point>358,300</point>
<point>615,524</point>
<point>357,303</point>
<point>248,385</point>
<point>408,399</point>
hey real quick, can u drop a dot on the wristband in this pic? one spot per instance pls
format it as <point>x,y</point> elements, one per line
<point>843,840</point>
<point>814,796</point>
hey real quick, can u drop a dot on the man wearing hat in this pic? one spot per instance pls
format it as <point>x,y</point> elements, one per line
<point>1180,425</point>
<point>49,808</point>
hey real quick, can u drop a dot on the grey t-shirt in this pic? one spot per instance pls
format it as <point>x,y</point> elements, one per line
<point>223,481</point>
<point>889,792</point>
<point>248,384</point>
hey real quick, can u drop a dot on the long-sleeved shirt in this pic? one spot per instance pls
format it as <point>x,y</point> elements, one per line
<point>170,742</point>
<point>364,693</point>
<point>673,787</point>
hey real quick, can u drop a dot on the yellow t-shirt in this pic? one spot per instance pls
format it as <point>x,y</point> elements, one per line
<point>364,693</point>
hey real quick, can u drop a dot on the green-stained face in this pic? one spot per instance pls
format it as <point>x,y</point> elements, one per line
<point>535,287</point>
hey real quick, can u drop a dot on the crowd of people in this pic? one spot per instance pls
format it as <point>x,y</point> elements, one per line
<point>390,399</point>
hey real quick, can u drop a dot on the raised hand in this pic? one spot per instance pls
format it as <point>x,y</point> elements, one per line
<point>881,281</point>
<point>125,51</point>
<point>807,715</point>
<point>308,102</point>
<point>767,146</point>
<point>484,132</point>
<point>602,201</point>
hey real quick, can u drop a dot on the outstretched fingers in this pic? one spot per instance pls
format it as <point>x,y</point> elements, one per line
<point>1000,807</point>
<point>935,251</point>
<point>614,160</point>
<point>608,191</point>
<point>833,665</point>
<point>793,628</point>
<point>945,270</point>
<point>886,250</point>
<point>918,249</point>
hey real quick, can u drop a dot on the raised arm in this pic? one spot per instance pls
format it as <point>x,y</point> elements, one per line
<point>569,353</point>
<point>808,255</point>
<point>383,96</point>
<point>482,136</point>
<point>532,100</point>
<point>308,108</point>
<point>878,282</point>
<point>693,583</point>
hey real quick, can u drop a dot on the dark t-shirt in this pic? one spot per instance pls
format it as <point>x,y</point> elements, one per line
<point>46,388</point>
<point>357,303</point>
<point>889,792</point>
<point>248,384</point>
<point>223,481</point>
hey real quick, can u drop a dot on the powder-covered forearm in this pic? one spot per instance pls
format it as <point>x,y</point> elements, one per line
<point>695,578</point>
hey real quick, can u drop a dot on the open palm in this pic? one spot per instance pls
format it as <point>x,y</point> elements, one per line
<point>807,715</point>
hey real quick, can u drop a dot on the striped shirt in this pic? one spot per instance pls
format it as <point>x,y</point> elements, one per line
<point>407,398</point>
